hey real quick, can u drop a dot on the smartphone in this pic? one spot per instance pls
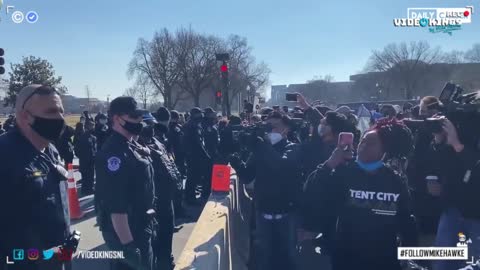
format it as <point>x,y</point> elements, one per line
<point>291,97</point>
<point>345,139</point>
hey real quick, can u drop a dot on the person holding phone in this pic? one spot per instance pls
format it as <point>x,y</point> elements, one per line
<point>360,204</point>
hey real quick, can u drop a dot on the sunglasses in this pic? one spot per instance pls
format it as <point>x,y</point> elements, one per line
<point>43,91</point>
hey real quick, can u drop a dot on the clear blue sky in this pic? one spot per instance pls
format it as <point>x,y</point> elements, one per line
<point>91,42</point>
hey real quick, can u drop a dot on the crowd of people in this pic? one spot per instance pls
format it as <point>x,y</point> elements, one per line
<point>365,184</point>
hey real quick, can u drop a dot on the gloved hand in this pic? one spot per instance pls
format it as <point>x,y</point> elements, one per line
<point>132,255</point>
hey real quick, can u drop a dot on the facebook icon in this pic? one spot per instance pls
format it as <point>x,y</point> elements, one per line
<point>18,254</point>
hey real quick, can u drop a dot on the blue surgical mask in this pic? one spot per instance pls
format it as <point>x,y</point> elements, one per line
<point>275,137</point>
<point>371,166</point>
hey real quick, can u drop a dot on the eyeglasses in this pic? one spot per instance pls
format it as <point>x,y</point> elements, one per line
<point>43,91</point>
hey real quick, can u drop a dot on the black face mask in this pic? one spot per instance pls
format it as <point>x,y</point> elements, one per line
<point>133,128</point>
<point>49,129</point>
<point>147,133</point>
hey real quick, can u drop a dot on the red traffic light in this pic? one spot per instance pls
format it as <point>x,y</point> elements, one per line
<point>219,94</point>
<point>224,68</point>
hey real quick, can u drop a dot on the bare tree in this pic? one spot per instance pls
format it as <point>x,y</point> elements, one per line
<point>157,62</point>
<point>197,62</point>
<point>142,91</point>
<point>454,57</point>
<point>404,62</point>
<point>473,55</point>
<point>245,73</point>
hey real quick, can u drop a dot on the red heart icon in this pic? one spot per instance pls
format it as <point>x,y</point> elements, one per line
<point>466,13</point>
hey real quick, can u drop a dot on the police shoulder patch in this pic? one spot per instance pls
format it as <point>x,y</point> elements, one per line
<point>113,164</point>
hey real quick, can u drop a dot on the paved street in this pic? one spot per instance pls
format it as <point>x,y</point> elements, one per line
<point>92,238</point>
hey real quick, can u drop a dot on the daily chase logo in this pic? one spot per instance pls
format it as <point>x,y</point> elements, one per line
<point>436,18</point>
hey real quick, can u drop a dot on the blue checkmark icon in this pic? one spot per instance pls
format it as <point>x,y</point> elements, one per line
<point>32,17</point>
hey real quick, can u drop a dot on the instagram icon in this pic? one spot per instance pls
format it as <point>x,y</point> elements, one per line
<point>32,254</point>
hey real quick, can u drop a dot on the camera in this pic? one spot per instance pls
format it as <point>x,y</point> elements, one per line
<point>456,106</point>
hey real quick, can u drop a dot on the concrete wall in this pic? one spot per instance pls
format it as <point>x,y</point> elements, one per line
<point>221,237</point>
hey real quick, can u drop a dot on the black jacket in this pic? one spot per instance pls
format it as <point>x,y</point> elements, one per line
<point>277,175</point>
<point>369,210</point>
<point>33,198</point>
<point>101,132</point>
<point>87,148</point>
<point>167,177</point>
<point>194,143</point>
<point>175,136</point>
<point>65,144</point>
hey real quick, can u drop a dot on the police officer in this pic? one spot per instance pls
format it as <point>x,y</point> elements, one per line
<point>166,179</point>
<point>101,129</point>
<point>124,188</point>
<point>65,145</point>
<point>87,149</point>
<point>176,148</point>
<point>196,154</point>
<point>161,128</point>
<point>33,198</point>
<point>211,145</point>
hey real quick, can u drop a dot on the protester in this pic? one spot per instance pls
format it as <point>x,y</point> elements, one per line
<point>370,201</point>
<point>274,165</point>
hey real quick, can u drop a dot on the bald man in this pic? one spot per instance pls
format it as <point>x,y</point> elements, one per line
<point>33,200</point>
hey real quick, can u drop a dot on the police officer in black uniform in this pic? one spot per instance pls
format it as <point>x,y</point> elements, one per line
<point>167,177</point>
<point>211,145</point>
<point>176,148</point>
<point>33,198</point>
<point>87,149</point>
<point>161,128</point>
<point>65,145</point>
<point>197,156</point>
<point>102,130</point>
<point>124,188</point>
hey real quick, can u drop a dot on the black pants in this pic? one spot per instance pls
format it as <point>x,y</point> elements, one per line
<point>194,176</point>
<point>162,243</point>
<point>143,241</point>
<point>207,181</point>
<point>87,169</point>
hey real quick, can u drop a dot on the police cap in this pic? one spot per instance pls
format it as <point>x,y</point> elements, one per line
<point>125,106</point>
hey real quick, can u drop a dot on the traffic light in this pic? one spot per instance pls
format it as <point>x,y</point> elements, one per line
<point>2,61</point>
<point>218,97</point>
<point>224,71</point>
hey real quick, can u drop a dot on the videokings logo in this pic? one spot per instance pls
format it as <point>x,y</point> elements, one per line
<point>439,20</point>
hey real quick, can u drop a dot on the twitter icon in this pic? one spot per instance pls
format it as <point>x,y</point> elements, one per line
<point>48,254</point>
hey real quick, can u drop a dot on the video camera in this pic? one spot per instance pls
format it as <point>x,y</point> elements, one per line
<point>241,133</point>
<point>456,106</point>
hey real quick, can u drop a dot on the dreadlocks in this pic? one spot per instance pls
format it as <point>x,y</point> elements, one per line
<point>396,138</point>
